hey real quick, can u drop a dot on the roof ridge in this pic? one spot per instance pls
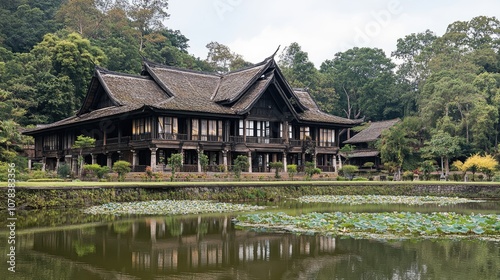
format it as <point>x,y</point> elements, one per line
<point>159,65</point>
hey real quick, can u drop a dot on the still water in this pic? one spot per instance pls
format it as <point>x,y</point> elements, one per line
<point>64,244</point>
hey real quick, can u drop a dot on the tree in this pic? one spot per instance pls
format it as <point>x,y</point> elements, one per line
<point>277,166</point>
<point>81,16</point>
<point>475,163</point>
<point>222,59</point>
<point>310,170</point>
<point>240,164</point>
<point>147,17</point>
<point>121,167</point>
<point>414,51</point>
<point>426,167</point>
<point>175,162</point>
<point>444,146</point>
<point>347,150</point>
<point>292,170</point>
<point>349,171</point>
<point>55,75</point>
<point>397,145</point>
<point>203,162</point>
<point>297,68</point>
<point>83,142</point>
<point>24,23</point>
<point>364,80</point>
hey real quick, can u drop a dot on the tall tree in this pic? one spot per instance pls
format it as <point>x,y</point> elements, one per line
<point>297,68</point>
<point>222,59</point>
<point>25,22</point>
<point>364,80</point>
<point>147,16</point>
<point>414,52</point>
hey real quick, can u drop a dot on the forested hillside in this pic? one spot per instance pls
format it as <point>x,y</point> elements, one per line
<point>445,89</point>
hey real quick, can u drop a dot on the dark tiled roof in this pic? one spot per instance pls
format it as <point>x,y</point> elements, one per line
<point>253,94</point>
<point>174,89</point>
<point>372,132</point>
<point>232,85</point>
<point>130,90</point>
<point>314,114</point>
<point>93,115</point>
<point>362,153</point>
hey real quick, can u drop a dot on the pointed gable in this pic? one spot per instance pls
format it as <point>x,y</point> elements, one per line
<point>234,84</point>
<point>109,89</point>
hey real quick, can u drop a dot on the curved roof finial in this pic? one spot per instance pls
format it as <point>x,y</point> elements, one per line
<point>276,51</point>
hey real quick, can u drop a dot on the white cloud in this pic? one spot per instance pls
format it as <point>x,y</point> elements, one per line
<point>254,29</point>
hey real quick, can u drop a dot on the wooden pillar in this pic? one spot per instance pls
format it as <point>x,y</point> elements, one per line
<point>224,159</point>
<point>285,162</point>
<point>74,165</point>
<point>200,152</point>
<point>153,159</point>
<point>109,160</point>
<point>134,158</point>
<point>94,158</point>
<point>249,161</point>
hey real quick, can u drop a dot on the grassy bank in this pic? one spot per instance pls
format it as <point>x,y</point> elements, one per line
<point>31,195</point>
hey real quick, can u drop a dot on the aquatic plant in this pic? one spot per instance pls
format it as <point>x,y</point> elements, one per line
<point>384,199</point>
<point>169,207</point>
<point>386,224</point>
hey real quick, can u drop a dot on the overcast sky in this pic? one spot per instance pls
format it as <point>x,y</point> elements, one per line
<point>255,28</point>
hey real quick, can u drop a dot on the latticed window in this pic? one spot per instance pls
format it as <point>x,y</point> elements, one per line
<point>326,137</point>
<point>167,127</point>
<point>141,126</point>
<point>304,132</point>
<point>206,130</point>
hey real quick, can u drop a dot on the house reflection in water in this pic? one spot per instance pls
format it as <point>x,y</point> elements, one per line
<point>173,245</point>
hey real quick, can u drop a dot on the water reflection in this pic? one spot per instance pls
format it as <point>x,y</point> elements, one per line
<point>160,247</point>
<point>209,247</point>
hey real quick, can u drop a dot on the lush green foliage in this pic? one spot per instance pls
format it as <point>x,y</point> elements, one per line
<point>169,207</point>
<point>240,164</point>
<point>310,170</point>
<point>392,225</point>
<point>292,170</point>
<point>277,166</point>
<point>384,199</point>
<point>175,162</point>
<point>450,83</point>
<point>348,171</point>
<point>204,162</point>
<point>477,163</point>
<point>122,168</point>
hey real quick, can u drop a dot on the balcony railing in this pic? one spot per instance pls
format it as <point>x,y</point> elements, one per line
<point>113,141</point>
<point>172,136</point>
<point>264,140</point>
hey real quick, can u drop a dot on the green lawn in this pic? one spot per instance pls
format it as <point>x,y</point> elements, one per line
<point>237,183</point>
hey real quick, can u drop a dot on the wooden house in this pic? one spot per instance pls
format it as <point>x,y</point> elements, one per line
<point>146,118</point>
<point>364,143</point>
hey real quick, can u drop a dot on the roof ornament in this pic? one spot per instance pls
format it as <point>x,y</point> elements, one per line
<point>276,51</point>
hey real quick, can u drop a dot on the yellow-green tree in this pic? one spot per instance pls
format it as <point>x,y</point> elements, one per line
<point>477,163</point>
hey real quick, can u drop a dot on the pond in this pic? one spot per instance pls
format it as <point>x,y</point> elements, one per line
<point>67,244</point>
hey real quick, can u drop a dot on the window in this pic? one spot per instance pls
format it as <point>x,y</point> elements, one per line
<point>326,137</point>
<point>194,129</point>
<point>141,126</point>
<point>206,130</point>
<point>304,132</point>
<point>50,142</point>
<point>215,130</point>
<point>167,127</point>
<point>69,139</point>
<point>250,128</point>
<point>203,130</point>
<point>241,128</point>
